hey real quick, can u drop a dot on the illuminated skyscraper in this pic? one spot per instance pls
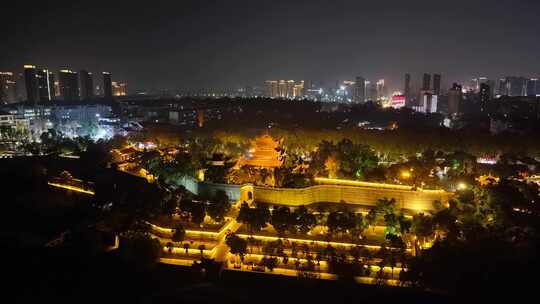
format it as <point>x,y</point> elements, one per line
<point>290,89</point>
<point>31,82</point>
<point>57,88</point>
<point>119,88</point>
<point>516,86</point>
<point>502,89</point>
<point>282,87</point>
<point>476,82</point>
<point>299,89</point>
<point>371,91</point>
<point>359,92</point>
<point>44,85</point>
<point>272,89</point>
<point>107,85</point>
<point>437,84</point>
<point>532,87</point>
<point>381,89</point>
<point>69,85</point>
<point>87,85</point>
<point>52,86</point>
<point>7,88</point>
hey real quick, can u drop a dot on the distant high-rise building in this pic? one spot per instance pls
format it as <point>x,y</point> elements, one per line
<point>119,88</point>
<point>454,99</point>
<point>381,89</point>
<point>298,89</point>
<point>371,91</point>
<point>532,87</point>
<point>502,89</point>
<point>485,95</point>
<point>282,87</point>
<point>407,88</point>
<point>44,85</point>
<point>476,82</point>
<point>87,85</point>
<point>359,91</point>
<point>69,85</point>
<point>57,88</point>
<point>290,89</point>
<point>8,87</point>
<point>31,82</point>
<point>428,103</point>
<point>516,86</point>
<point>426,82</point>
<point>491,84</point>
<point>272,89</point>
<point>52,86</point>
<point>107,85</point>
<point>437,84</point>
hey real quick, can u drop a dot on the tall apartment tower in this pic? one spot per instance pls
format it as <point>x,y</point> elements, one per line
<point>381,89</point>
<point>437,84</point>
<point>107,85</point>
<point>407,88</point>
<point>454,99</point>
<point>31,82</point>
<point>52,86</point>
<point>44,85</point>
<point>359,91</point>
<point>87,85</point>
<point>69,85</point>
<point>7,88</point>
<point>426,82</point>
<point>272,89</point>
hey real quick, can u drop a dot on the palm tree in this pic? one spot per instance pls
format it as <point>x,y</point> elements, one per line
<point>186,247</point>
<point>202,247</point>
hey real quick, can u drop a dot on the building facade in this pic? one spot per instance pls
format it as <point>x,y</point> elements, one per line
<point>31,83</point>
<point>107,85</point>
<point>69,85</point>
<point>8,88</point>
<point>87,85</point>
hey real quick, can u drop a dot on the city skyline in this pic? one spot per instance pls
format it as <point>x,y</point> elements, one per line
<point>200,45</point>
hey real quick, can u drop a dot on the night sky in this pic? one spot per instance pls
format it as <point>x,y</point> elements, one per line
<point>191,44</point>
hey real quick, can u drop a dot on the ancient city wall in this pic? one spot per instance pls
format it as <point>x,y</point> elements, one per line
<point>408,199</point>
<point>415,200</point>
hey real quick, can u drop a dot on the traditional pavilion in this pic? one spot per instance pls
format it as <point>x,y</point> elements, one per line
<point>264,152</point>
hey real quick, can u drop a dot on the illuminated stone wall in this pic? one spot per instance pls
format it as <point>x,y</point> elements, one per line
<point>420,200</point>
<point>407,199</point>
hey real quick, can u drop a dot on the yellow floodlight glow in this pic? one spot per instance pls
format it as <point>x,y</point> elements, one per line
<point>405,174</point>
<point>462,186</point>
<point>344,182</point>
<point>72,188</point>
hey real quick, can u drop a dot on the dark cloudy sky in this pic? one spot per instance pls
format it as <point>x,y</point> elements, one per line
<point>190,43</point>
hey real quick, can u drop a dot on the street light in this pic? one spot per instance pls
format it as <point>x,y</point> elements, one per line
<point>461,186</point>
<point>407,173</point>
